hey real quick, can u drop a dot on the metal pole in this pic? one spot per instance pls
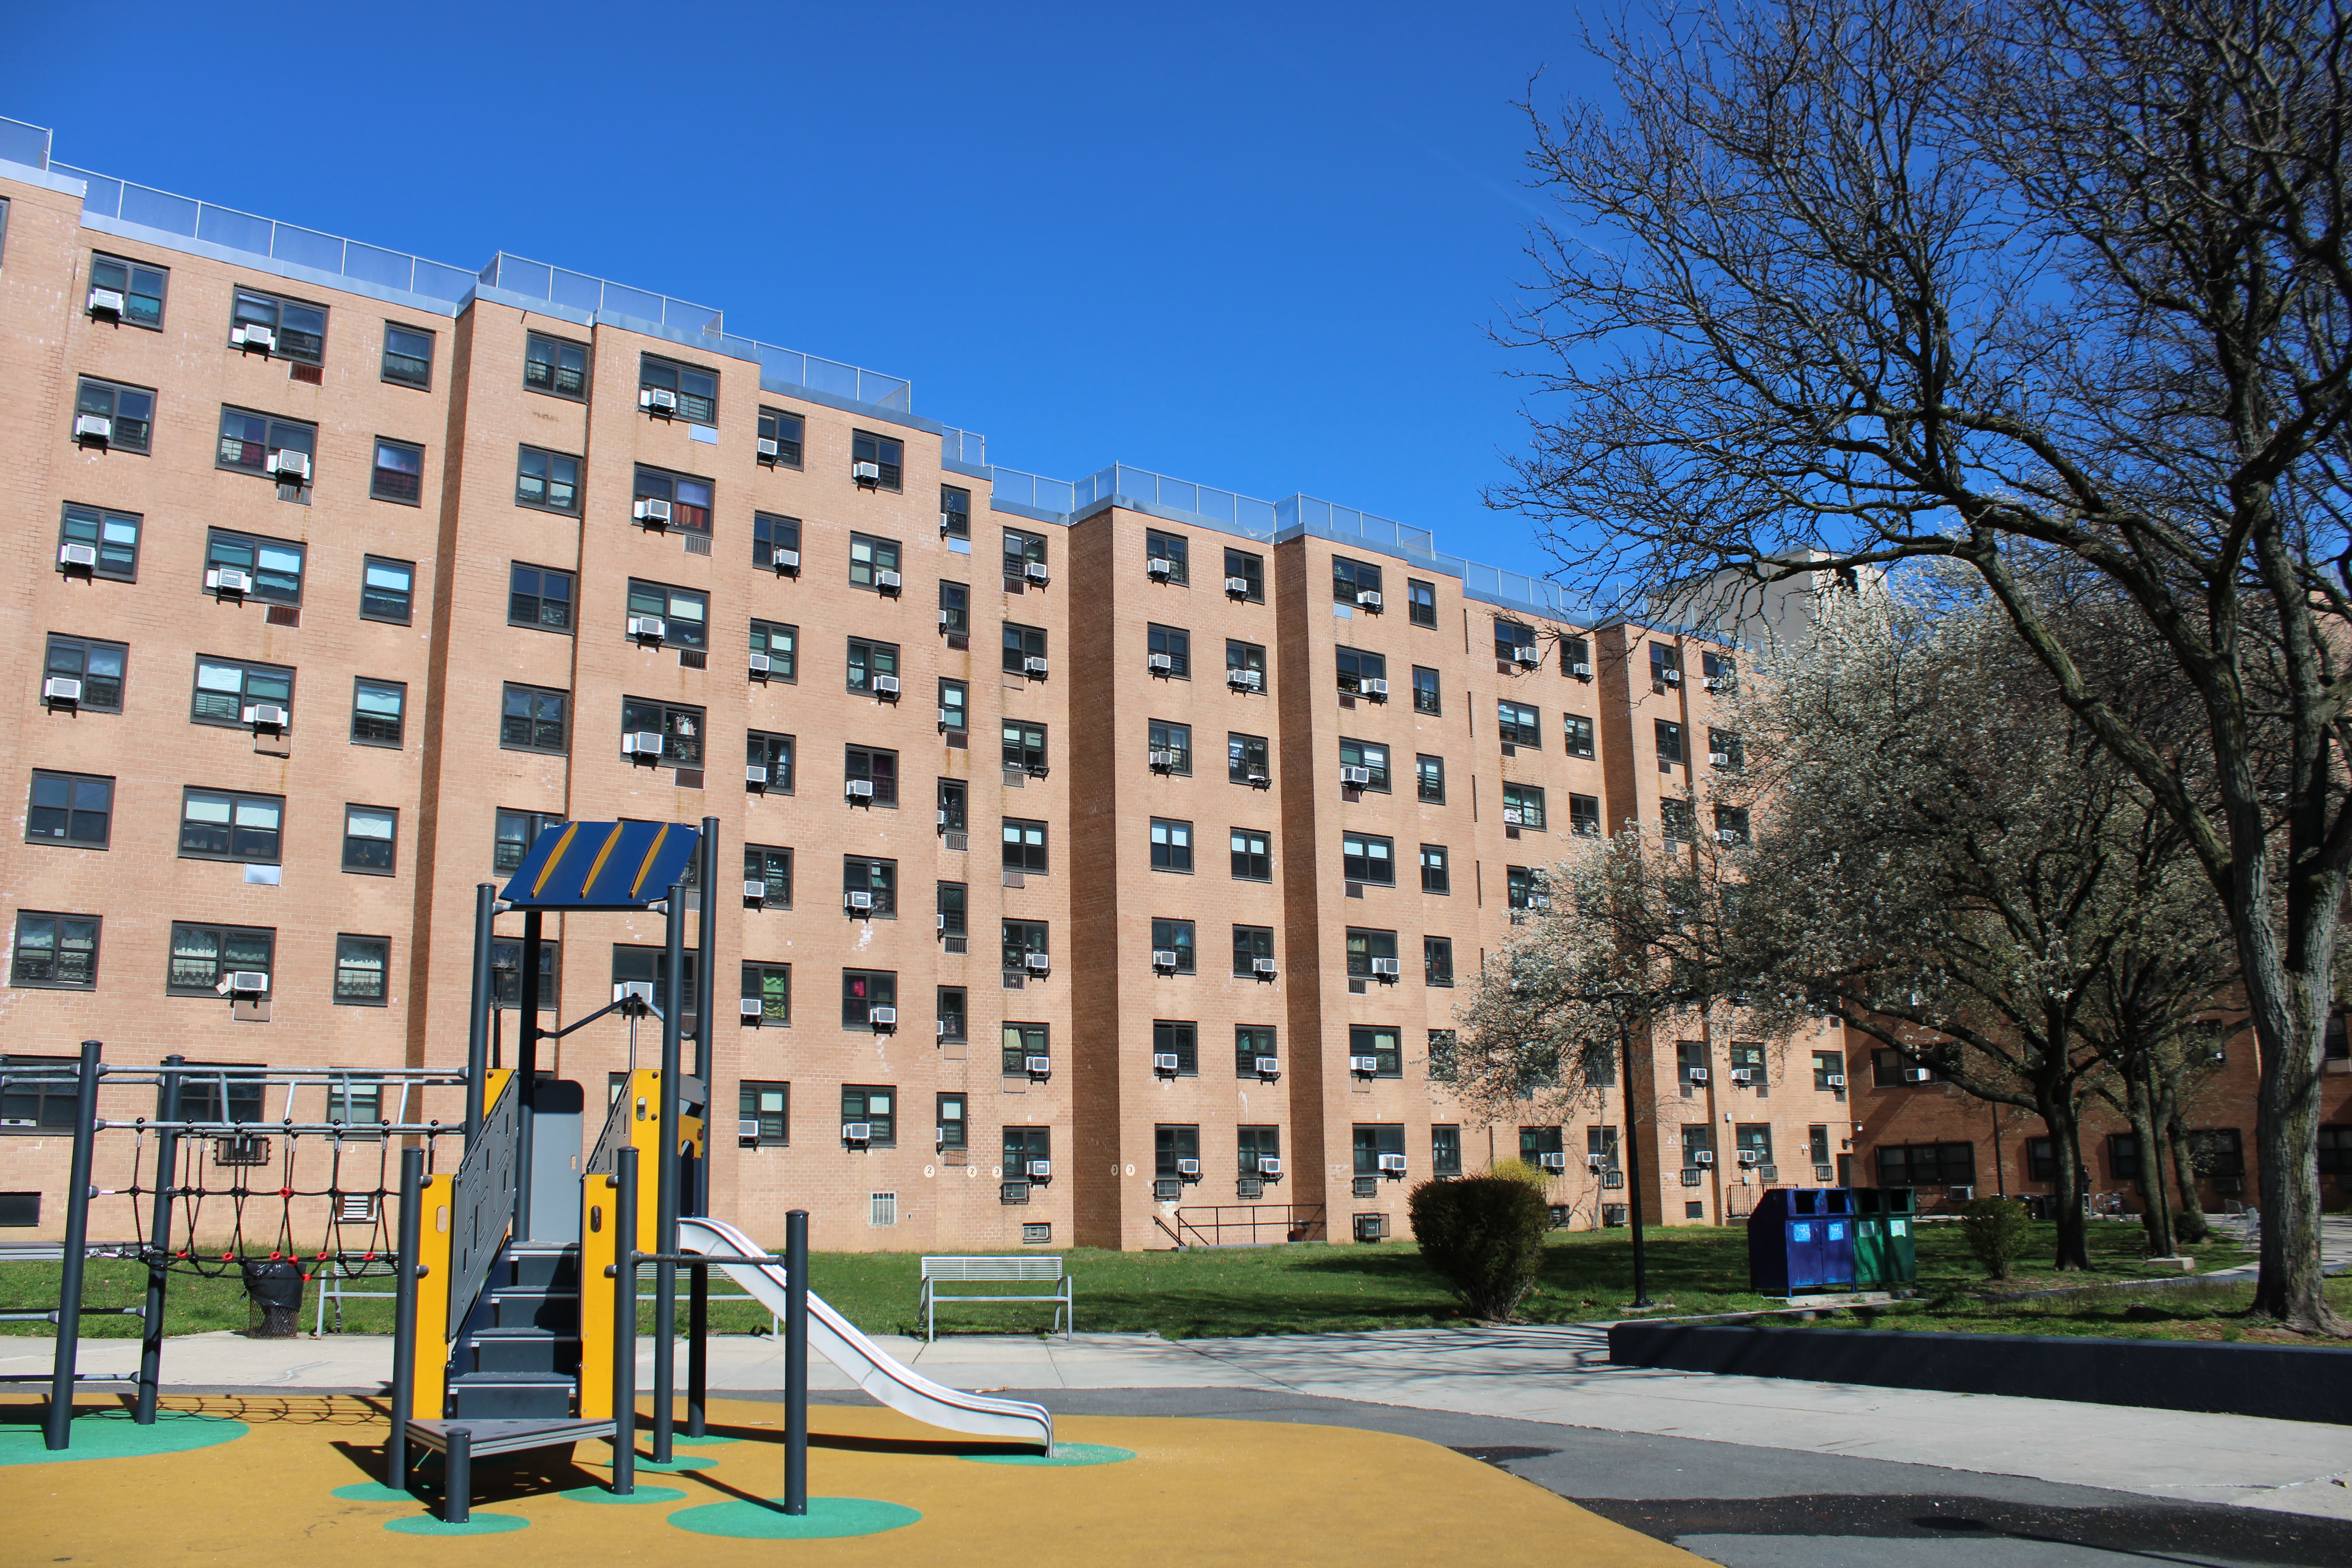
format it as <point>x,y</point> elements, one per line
<point>665,1174</point>
<point>697,1346</point>
<point>403,1319</point>
<point>478,1022</point>
<point>1633,1169</point>
<point>796,1296</point>
<point>457,1476</point>
<point>705,983</point>
<point>526,1071</point>
<point>58,1431</point>
<point>625,1319</point>
<point>159,1245</point>
<point>695,1198</point>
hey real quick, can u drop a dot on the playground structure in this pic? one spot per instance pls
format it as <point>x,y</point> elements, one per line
<point>514,1268</point>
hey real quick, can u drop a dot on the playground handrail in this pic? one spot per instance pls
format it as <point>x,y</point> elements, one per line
<point>482,1201</point>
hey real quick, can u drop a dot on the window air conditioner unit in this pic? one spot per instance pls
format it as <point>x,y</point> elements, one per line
<point>1596,1162</point>
<point>61,691</point>
<point>1269,1165</point>
<point>289,467</point>
<point>1244,680</point>
<point>1261,967</point>
<point>762,665</point>
<point>747,1128</point>
<point>250,337</point>
<point>634,990</point>
<point>93,429</point>
<point>1727,836</point>
<point>889,582</point>
<point>648,629</point>
<point>644,744</point>
<point>1961,1191</point>
<point>1163,1062</point>
<point>882,1018</point>
<point>1369,600</point>
<point>1258,780</point>
<point>753,1009</point>
<point>1716,683</point>
<point>1694,1075</point>
<point>1552,1162</point>
<point>1160,568</point>
<point>1356,776</point>
<point>770,452</point>
<point>653,512</point>
<point>754,891</point>
<point>105,304</point>
<point>1384,969</point>
<point>867,474</point>
<point>84,558</point>
<point>1237,586</point>
<point>1513,817</point>
<point>1392,1164</point>
<point>1039,1170</point>
<point>1834,1079</point>
<point>1915,1074</point>
<point>1033,668</point>
<point>1751,1156</point>
<point>857,1131</point>
<point>945,616</point>
<point>229,580</point>
<point>1266,1067</point>
<point>1719,759</point>
<point>1037,963</point>
<point>755,776</point>
<point>1037,1067</point>
<point>1670,675</point>
<point>1189,1169</point>
<point>1538,900</point>
<point>1743,1075</point>
<point>787,563</point>
<point>658,400</point>
<point>1366,1066</point>
<point>1163,760</point>
<point>1527,656</point>
<point>1035,572</point>
<point>265,716</point>
<point>1703,1157</point>
<point>1163,958</point>
<point>1582,671</point>
<point>861,789</point>
<point>1161,663</point>
<point>861,902</point>
<point>247,981</point>
<point>886,687</point>
<point>1376,689</point>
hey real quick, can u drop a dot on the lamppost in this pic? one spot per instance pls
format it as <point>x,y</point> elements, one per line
<point>1633,1147</point>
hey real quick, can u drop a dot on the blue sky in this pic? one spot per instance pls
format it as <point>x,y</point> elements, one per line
<point>1253,246</point>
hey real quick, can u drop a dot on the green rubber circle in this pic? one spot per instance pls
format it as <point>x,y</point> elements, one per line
<point>479,1524</point>
<point>1065,1456</point>
<point>683,1462</point>
<point>827,1516</point>
<point>605,1494</point>
<point>701,1442</point>
<point>114,1434</point>
<point>374,1491</point>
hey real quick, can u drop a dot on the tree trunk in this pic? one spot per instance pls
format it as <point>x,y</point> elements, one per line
<point>2156,1213</point>
<point>2059,1115</point>
<point>2288,995</point>
<point>2188,1220</point>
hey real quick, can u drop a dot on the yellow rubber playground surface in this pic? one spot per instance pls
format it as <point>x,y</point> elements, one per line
<point>253,1480</point>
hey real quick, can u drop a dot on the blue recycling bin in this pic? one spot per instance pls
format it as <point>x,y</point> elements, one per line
<point>1800,1239</point>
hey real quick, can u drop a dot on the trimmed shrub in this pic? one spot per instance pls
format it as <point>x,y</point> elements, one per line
<point>1997,1230</point>
<point>1483,1236</point>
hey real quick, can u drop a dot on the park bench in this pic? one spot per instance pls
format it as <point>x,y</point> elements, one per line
<point>938,1272</point>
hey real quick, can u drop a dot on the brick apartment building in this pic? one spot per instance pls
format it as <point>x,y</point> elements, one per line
<point>356,569</point>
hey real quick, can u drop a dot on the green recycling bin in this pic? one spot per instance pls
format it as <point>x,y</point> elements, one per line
<point>1885,1255</point>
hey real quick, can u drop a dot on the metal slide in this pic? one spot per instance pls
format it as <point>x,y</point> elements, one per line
<point>833,1336</point>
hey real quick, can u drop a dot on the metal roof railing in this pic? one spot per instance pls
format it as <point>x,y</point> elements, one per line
<point>969,447</point>
<point>1236,513</point>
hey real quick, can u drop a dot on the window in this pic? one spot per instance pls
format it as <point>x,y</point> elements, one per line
<point>548,481</point>
<point>1748,1057</point>
<point>1716,667</point>
<point>870,660</point>
<point>1444,1150</point>
<point>1601,1071</point>
<point>869,558</point>
<point>1421,601</point>
<point>1172,1145</point>
<point>75,809</point>
<point>951,901</point>
<point>227,824</point>
<point>1535,1142</point>
<point>1817,1144</point>
<point>1179,1040</point>
<point>1429,774</point>
<point>1437,961</point>
<point>1365,858</point>
<point>1252,1041</point>
<point>876,1107</point>
<point>1356,667</point>
<point>1018,1043</point>
<point>539,597</point>
<point>1893,1069</point>
<point>678,725</point>
<point>786,431</point>
<point>862,990</point>
<point>513,834</point>
<point>113,534</point>
<point>1024,846</point>
<point>2335,1150</point>
<point>248,440</point>
<point>98,665</point>
<point>1023,643</point>
<point>399,474</point>
<point>1378,1041</point>
<point>1584,816</point>
<point>1246,758</point>
<point>1827,1065</point>
<point>1579,732</point>
<point>1250,944</point>
<point>202,1094</point>
<point>955,608</point>
<point>1524,886</point>
<point>955,512</point>
<point>780,644</point>
<point>1510,636</point>
<point>1022,1144</point>
<point>1172,845</point>
<point>1176,647</point>
<point>531,719</point>
<point>1670,742</point>
<point>878,879</point>
<point>1435,875</point>
<point>1517,725</point>
<point>1250,569</point>
<point>1369,756</point>
<point>143,287</point>
<point>1248,657</point>
<point>954,815</point>
<point>1364,946</point>
<point>764,1109</point>
<point>556,367</point>
<point>1174,550</point>
<point>377,707</point>
<point>57,953</point>
<point>1730,825</point>
<point>368,836</point>
<point>387,589</point>
<point>684,614</point>
<point>1352,579</point>
<point>695,391</point>
<point>1523,805</point>
<point>2123,1156</point>
<point>876,767</point>
<point>954,1009</point>
<point>2216,1152</point>
<point>225,688</point>
<point>202,954</point>
<point>955,706</point>
<point>359,965</point>
<point>771,866</point>
<point>1256,1143</point>
<point>771,985</point>
<point>1253,855</point>
<point>274,566</point>
<point>408,356</point>
<point>689,498</point>
<point>1021,551</point>
<point>1425,690</point>
<point>1724,750</point>
<point>1576,657</point>
<point>888,456</point>
<point>1665,664</point>
<point>1445,1056</point>
<point>1024,747</point>
<point>506,976</point>
<point>1943,1164</point>
<point>1696,1139</point>
<point>1373,1140</point>
<point>130,411</point>
<point>1176,937</point>
<point>1176,741</point>
<point>300,329</point>
<point>1677,822</point>
<point>1024,939</point>
<point>771,534</point>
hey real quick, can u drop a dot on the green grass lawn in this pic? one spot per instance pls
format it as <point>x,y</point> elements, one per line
<point>1588,1276</point>
<point>2212,1312</point>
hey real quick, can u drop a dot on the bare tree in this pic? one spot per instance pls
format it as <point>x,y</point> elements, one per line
<point>1972,279</point>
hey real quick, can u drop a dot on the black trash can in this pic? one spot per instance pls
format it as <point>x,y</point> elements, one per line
<point>274,1286</point>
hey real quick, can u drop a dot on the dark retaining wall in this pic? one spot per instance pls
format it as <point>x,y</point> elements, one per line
<point>2288,1383</point>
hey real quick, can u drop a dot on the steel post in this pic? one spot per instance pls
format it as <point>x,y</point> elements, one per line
<point>457,1476</point>
<point>478,1021</point>
<point>625,1319</point>
<point>526,1070</point>
<point>666,1175</point>
<point>159,1245</point>
<point>796,1295</point>
<point>57,1429</point>
<point>403,1319</point>
<point>706,982</point>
